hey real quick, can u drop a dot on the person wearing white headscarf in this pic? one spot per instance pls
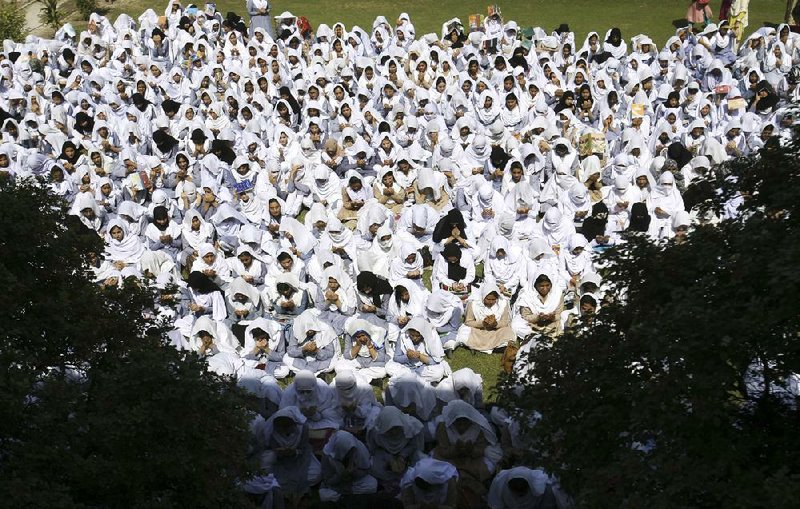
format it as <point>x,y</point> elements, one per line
<point>486,321</point>
<point>555,228</point>
<point>295,236</point>
<point>430,188</point>
<point>326,188</point>
<point>210,262</point>
<point>122,248</point>
<point>413,396</point>
<point>419,350</point>
<point>265,347</point>
<point>345,468</point>
<point>465,439</point>
<point>285,297</point>
<point>523,488</point>
<point>364,350</point>
<point>430,483</point>
<point>408,265</point>
<point>289,455</point>
<point>577,260</point>
<point>335,298</point>
<point>663,203</point>
<point>464,384</point>
<point>621,196</point>
<point>416,225</point>
<point>244,303</point>
<point>245,265</point>
<point>443,310</point>
<point>503,264</point>
<point>315,399</point>
<point>382,252</point>
<point>538,308</point>
<point>407,301</point>
<point>86,208</point>
<point>340,241</point>
<point>487,205</point>
<point>396,441</point>
<point>312,345</point>
<point>355,402</point>
<point>387,190</point>
<point>210,337</point>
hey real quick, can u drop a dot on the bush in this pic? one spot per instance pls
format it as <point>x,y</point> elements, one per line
<point>86,7</point>
<point>12,21</point>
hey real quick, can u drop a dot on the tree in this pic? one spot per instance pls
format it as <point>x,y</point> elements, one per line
<point>681,391</point>
<point>12,21</point>
<point>86,7</point>
<point>95,408</point>
<point>50,14</point>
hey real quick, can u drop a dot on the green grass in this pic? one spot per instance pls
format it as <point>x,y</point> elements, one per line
<point>652,17</point>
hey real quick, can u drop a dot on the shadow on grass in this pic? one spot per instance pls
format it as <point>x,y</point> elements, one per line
<point>680,23</point>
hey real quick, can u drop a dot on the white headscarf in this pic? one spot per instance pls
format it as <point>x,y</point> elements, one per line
<point>307,321</point>
<point>431,343</point>
<point>392,417</point>
<point>128,250</point>
<point>530,298</point>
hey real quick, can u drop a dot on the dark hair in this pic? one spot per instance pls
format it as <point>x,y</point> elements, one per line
<point>542,278</point>
<point>283,287</point>
<point>202,283</point>
<point>283,256</point>
<point>397,291</point>
<point>518,485</point>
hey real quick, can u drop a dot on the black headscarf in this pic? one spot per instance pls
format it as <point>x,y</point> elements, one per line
<point>164,141</point>
<point>640,218</point>
<point>562,103</point>
<point>446,224</point>
<point>140,102</point>
<point>592,227</point>
<point>225,153</point>
<point>615,33</point>
<point>518,60</point>
<point>498,158</point>
<point>84,124</point>
<point>765,103</point>
<point>170,106</point>
<point>680,154</point>
<point>284,91</point>
<point>198,136</point>
<point>378,286</point>
<point>201,283</point>
<point>63,156</point>
<point>454,270</point>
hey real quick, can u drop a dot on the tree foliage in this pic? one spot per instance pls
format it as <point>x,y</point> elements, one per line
<point>681,392</point>
<point>50,14</point>
<point>95,408</point>
<point>86,7</point>
<point>12,21</point>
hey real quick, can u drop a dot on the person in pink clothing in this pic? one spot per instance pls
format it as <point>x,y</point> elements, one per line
<point>699,12</point>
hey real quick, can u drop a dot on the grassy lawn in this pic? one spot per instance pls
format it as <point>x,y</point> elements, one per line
<point>652,17</point>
